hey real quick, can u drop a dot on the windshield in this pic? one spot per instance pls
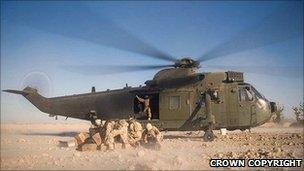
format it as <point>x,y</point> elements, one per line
<point>247,92</point>
<point>258,94</point>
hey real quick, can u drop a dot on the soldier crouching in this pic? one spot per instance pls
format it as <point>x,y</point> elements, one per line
<point>108,140</point>
<point>151,134</point>
<point>121,130</point>
<point>135,132</point>
<point>92,140</point>
<point>127,133</point>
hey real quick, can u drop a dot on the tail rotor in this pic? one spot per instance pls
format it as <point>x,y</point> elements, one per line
<point>38,80</point>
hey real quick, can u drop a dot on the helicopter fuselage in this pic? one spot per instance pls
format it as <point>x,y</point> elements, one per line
<point>176,101</point>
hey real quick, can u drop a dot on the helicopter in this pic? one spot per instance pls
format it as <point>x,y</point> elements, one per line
<point>181,97</point>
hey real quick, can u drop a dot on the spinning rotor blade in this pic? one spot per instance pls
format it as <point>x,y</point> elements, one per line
<point>39,81</point>
<point>282,25</point>
<point>284,71</point>
<point>81,23</point>
<point>111,69</point>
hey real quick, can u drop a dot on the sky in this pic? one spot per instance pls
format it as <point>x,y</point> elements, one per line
<point>40,40</point>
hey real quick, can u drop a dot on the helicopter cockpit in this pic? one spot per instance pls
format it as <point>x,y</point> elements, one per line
<point>248,93</point>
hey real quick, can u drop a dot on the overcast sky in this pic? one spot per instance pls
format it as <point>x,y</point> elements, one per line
<point>41,38</point>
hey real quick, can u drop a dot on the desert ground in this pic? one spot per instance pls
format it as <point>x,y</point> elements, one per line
<point>36,146</point>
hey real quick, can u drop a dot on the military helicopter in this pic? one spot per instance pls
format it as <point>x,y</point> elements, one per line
<point>181,97</point>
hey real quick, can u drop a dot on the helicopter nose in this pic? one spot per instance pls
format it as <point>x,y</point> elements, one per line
<point>264,111</point>
<point>262,104</point>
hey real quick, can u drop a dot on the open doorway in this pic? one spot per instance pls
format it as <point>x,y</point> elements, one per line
<point>139,106</point>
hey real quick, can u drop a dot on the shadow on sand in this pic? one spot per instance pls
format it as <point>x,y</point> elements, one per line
<point>60,134</point>
<point>73,134</point>
<point>183,137</point>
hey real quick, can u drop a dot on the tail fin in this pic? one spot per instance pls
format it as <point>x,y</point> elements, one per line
<point>16,92</point>
<point>23,92</point>
<point>34,97</point>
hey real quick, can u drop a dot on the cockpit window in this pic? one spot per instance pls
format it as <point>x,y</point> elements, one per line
<point>245,94</point>
<point>257,94</point>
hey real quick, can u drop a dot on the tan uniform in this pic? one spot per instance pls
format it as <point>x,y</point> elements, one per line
<point>121,130</point>
<point>109,141</point>
<point>94,137</point>
<point>81,137</point>
<point>109,126</point>
<point>152,135</point>
<point>147,108</point>
<point>135,132</point>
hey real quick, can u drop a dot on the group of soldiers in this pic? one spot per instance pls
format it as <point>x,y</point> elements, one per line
<point>128,132</point>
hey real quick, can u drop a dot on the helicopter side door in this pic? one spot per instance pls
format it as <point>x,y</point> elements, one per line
<point>219,106</point>
<point>232,106</point>
<point>174,107</point>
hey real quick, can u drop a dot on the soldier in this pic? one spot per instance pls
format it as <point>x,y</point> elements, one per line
<point>151,134</point>
<point>106,133</point>
<point>92,116</point>
<point>147,108</point>
<point>121,130</point>
<point>96,133</point>
<point>135,132</point>
<point>96,128</point>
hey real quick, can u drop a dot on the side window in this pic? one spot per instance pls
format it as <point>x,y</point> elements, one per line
<point>245,94</point>
<point>249,94</point>
<point>175,102</point>
<point>242,94</point>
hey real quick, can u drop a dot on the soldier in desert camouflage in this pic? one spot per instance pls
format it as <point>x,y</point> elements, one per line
<point>95,133</point>
<point>135,132</point>
<point>93,116</point>
<point>151,134</point>
<point>147,108</point>
<point>121,130</point>
<point>108,128</point>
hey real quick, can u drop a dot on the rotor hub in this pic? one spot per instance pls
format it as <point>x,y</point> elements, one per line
<point>186,63</point>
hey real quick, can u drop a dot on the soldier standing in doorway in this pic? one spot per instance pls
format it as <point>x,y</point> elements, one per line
<point>147,108</point>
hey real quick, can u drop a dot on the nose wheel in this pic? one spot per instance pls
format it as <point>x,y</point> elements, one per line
<point>208,136</point>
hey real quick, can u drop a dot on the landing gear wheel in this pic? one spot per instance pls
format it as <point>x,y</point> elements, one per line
<point>209,135</point>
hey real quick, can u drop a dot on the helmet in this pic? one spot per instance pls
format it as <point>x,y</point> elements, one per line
<point>146,97</point>
<point>149,126</point>
<point>92,111</point>
<point>98,122</point>
<point>137,126</point>
<point>109,124</point>
<point>131,119</point>
<point>122,122</point>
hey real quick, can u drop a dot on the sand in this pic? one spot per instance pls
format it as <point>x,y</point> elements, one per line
<point>36,146</point>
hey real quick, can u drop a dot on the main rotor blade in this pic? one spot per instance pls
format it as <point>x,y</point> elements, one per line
<point>283,71</point>
<point>281,25</point>
<point>82,23</point>
<point>111,69</point>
